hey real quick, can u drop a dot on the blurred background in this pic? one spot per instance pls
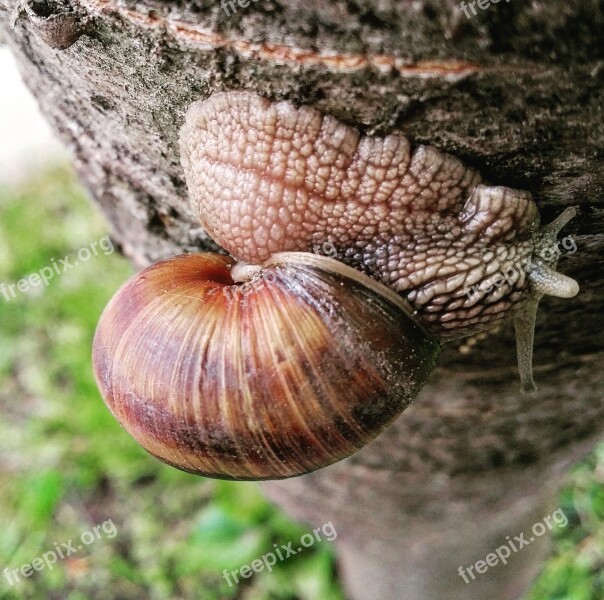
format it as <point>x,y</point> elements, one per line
<point>66,466</point>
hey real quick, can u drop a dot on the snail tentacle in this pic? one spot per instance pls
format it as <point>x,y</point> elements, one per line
<point>555,227</point>
<point>547,281</point>
<point>524,326</point>
<point>543,280</point>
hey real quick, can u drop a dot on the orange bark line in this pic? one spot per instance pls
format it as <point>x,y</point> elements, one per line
<point>194,35</point>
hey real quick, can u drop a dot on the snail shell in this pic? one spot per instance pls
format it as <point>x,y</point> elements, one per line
<point>290,371</point>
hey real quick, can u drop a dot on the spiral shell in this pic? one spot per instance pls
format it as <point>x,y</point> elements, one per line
<point>288,372</point>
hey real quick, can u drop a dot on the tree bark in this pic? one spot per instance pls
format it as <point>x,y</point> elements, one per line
<point>515,91</point>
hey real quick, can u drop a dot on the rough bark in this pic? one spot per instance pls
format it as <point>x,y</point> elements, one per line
<point>515,91</point>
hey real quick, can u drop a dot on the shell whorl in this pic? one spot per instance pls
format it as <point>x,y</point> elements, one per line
<point>297,368</point>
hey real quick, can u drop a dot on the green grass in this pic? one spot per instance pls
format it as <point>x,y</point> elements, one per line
<point>67,466</point>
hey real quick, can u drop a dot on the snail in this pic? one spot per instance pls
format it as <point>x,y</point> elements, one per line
<point>279,359</point>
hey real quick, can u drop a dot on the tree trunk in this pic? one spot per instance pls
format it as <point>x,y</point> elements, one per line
<point>515,91</point>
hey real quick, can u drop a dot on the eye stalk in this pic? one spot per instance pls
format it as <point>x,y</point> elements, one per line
<point>543,280</point>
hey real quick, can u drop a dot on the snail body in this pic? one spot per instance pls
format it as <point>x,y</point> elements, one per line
<point>278,361</point>
<point>270,177</point>
<point>286,373</point>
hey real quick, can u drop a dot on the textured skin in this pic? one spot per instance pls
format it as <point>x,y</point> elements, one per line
<point>267,177</point>
<point>292,371</point>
